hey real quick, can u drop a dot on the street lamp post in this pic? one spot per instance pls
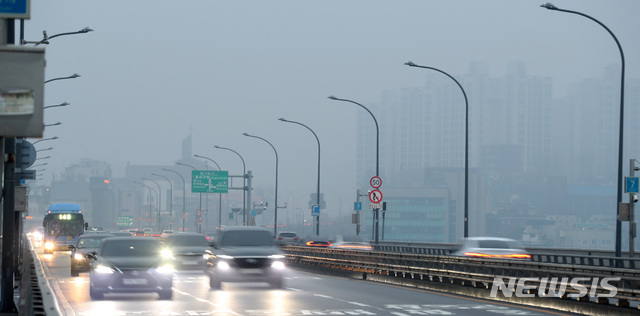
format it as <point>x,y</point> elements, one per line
<point>39,140</point>
<point>466,144</point>
<point>318,189</point>
<point>275,216</point>
<point>244,184</point>
<point>62,78</point>
<point>54,124</point>
<point>219,194</point>
<point>39,150</point>
<point>150,206</point>
<point>46,38</point>
<point>56,105</point>
<point>184,193</point>
<point>377,211</point>
<point>170,199</point>
<point>621,130</point>
<point>159,200</point>
<point>200,207</point>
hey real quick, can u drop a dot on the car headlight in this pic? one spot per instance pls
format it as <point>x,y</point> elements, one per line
<point>223,265</point>
<point>226,257</point>
<point>166,253</point>
<point>276,257</point>
<point>104,269</point>
<point>166,269</point>
<point>48,245</point>
<point>277,265</point>
<point>206,256</point>
<point>78,256</point>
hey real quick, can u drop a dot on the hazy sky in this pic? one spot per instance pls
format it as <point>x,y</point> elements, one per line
<point>154,72</point>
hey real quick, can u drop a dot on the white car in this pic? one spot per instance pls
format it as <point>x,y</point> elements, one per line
<point>492,248</point>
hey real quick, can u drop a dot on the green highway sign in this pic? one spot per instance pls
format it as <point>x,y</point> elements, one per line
<point>125,220</point>
<point>209,181</point>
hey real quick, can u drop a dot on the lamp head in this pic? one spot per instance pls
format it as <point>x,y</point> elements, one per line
<point>86,30</point>
<point>549,6</point>
<point>216,146</point>
<point>245,134</point>
<point>54,137</point>
<point>410,63</point>
<point>75,76</point>
<point>282,119</point>
<point>332,97</point>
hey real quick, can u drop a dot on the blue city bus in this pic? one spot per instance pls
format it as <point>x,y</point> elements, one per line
<point>63,224</point>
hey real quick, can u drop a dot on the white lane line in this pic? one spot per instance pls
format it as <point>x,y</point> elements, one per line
<point>359,304</point>
<point>224,308</point>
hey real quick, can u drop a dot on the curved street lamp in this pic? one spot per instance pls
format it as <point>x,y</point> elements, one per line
<point>219,196</point>
<point>39,150</point>
<point>244,183</point>
<point>170,199</point>
<point>54,124</point>
<point>47,157</point>
<point>150,206</point>
<point>318,190</point>
<point>63,78</point>
<point>46,38</point>
<point>53,106</point>
<point>275,217</point>
<point>184,193</point>
<point>159,200</point>
<point>550,6</point>
<point>377,211</point>
<point>466,144</point>
<point>39,140</point>
<point>194,168</point>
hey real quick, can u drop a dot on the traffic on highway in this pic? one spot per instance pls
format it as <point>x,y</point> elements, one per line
<point>302,293</point>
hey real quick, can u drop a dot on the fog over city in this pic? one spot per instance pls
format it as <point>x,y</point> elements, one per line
<point>154,73</point>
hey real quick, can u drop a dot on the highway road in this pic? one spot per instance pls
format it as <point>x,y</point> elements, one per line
<point>305,293</point>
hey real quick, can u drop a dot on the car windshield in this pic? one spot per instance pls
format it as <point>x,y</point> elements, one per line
<point>130,248</point>
<point>288,235</point>
<point>246,238</point>
<point>190,240</point>
<point>90,242</point>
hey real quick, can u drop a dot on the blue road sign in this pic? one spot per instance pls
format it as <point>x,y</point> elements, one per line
<point>631,184</point>
<point>315,210</point>
<point>15,9</point>
<point>357,206</point>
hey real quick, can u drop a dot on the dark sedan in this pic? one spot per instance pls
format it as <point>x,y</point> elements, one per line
<point>130,265</point>
<point>86,243</point>
<point>245,254</point>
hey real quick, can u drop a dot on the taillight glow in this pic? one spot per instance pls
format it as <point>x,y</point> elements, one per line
<point>512,256</point>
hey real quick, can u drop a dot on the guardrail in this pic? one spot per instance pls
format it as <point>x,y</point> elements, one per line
<point>473,276</point>
<point>36,297</point>
<point>589,257</point>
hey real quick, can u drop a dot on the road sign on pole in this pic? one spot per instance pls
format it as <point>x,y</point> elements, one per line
<point>375,182</point>
<point>375,196</point>
<point>315,210</point>
<point>631,185</point>
<point>209,181</point>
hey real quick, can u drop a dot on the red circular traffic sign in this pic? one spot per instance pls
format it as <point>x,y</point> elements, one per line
<point>375,182</point>
<point>375,196</point>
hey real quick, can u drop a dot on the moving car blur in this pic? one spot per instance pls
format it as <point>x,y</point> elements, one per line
<point>130,265</point>
<point>317,241</point>
<point>351,242</point>
<point>245,254</point>
<point>187,250</point>
<point>86,243</point>
<point>492,247</point>
<point>287,239</point>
